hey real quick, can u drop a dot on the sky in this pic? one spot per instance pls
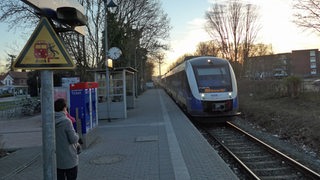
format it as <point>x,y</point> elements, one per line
<point>187,19</point>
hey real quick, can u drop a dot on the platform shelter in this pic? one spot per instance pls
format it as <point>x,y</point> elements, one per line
<point>118,94</point>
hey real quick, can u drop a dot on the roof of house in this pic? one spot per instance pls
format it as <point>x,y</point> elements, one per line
<point>18,75</point>
<point>14,75</point>
<point>2,76</point>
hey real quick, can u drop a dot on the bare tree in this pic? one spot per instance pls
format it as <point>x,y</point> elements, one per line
<point>233,26</point>
<point>143,19</point>
<point>149,71</point>
<point>179,60</point>
<point>140,31</point>
<point>159,59</point>
<point>251,31</point>
<point>307,14</point>
<point>18,15</point>
<point>209,48</point>
<point>10,61</point>
<point>96,17</point>
<point>260,50</point>
<point>137,27</point>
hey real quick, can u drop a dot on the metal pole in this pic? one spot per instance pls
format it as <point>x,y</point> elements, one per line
<point>135,74</point>
<point>48,126</point>
<point>106,56</point>
<point>37,82</point>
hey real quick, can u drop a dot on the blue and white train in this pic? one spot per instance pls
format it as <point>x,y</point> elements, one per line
<point>205,87</point>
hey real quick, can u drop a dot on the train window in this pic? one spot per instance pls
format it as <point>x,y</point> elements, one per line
<point>211,71</point>
<point>213,79</point>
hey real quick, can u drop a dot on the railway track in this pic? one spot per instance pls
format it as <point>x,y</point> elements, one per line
<point>258,159</point>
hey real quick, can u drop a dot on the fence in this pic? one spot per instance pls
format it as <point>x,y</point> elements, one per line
<point>17,108</point>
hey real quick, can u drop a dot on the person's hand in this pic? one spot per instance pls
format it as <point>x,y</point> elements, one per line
<point>65,110</point>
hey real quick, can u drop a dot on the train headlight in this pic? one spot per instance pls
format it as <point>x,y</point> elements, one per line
<point>230,94</point>
<point>202,96</point>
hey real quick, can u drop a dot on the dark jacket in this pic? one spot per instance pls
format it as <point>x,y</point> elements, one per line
<point>66,142</point>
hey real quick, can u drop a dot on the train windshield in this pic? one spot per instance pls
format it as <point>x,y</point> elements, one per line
<point>213,78</point>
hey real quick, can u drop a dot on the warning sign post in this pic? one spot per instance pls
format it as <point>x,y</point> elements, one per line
<point>45,51</point>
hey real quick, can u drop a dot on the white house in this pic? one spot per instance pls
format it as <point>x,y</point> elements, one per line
<point>14,83</point>
<point>7,81</point>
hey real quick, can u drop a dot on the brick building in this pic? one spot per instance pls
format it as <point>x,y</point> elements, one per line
<point>268,66</point>
<point>301,63</point>
<point>305,63</point>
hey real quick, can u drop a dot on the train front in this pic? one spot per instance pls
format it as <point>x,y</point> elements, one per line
<point>214,89</point>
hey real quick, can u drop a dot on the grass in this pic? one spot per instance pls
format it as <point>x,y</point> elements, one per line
<point>17,102</point>
<point>7,105</point>
<point>297,119</point>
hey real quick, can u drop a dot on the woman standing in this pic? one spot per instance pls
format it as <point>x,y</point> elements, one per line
<point>66,143</point>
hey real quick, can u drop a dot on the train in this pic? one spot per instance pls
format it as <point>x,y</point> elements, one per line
<point>205,88</point>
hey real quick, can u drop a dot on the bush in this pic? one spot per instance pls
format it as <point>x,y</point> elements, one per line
<point>2,151</point>
<point>269,89</point>
<point>6,95</point>
<point>262,89</point>
<point>293,85</point>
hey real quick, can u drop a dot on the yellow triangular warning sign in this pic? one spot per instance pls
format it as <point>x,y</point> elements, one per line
<point>44,50</point>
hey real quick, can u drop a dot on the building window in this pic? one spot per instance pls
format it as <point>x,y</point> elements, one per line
<point>284,61</point>
<point>313,71</point>
<point>313,65</point>
<point>8,82</point>
<point>313,59</point>
<point>312,53</point>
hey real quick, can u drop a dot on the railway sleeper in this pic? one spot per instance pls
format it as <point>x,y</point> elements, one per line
<point>240,144</point>
<point>253,151</point>
<point>249,152</point>
<point>277,172</point>
<point>263,164</point>
<point>290,177</point>
<point>273,170</point>
<point>266,162</point>
<point>255,157</point>
<point>235,138</point>
<point>243,146</point>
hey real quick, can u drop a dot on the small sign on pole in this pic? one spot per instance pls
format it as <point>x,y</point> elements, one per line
<point>44,50</point>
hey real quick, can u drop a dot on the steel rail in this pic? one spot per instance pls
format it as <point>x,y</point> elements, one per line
<point>245,167</point>
<point>307,171</point>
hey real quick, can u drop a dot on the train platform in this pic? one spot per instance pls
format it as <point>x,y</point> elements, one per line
<point>155,141</point>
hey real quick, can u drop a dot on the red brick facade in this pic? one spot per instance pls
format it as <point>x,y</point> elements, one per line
<point>302,63</point>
